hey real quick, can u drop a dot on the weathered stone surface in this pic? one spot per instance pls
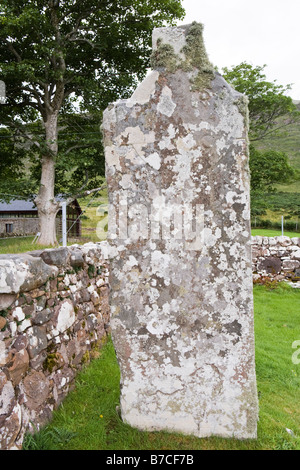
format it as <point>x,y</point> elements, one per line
<point>10,427</point>
<point>179,229</point>
<point>36,390</point>
<point>76,259</point>
<point>64,316</point>
<point>2,323</point>
<point>37,340</point>
<point>4,354</point>
<point>19,366</point>
<point>270,265</point>
<point>21,273</point>
<point>56,257</point>
<point>43,316</point>
<point>6,300</point>
<point>10,414</point>
<point>7,399</point>
<point>290,265</point>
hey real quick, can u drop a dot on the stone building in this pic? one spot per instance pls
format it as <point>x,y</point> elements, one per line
<point>20,217</point>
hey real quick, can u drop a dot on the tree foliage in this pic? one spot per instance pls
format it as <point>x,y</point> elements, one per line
<point>268,168</point>
<point>269,107</point>
<point>62,62</point>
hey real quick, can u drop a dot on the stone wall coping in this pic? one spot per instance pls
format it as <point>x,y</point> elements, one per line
<point>279,240</point>
<point>26,271</point>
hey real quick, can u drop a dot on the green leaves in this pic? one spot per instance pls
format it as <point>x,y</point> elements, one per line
<point>72,58</point>
<point>268,168</point>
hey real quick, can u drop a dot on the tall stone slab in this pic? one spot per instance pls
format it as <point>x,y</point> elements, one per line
<point>179,230</point>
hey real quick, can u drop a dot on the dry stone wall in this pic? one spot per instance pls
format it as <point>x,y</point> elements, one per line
<point>54,315</point>
<point>276,258</point>
<point>54,312</point>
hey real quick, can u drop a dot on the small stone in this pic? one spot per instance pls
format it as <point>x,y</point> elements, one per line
<point>19,366</point>
<point>6,300</point>
<point>42,317</point>
<point>24,325</point>
<point>2,323</point>
<point>290,265</point>
<point>20,343</point>
<point>37,340</point>
<point>76,259</point>
<point>18,314</point>
<point>36,389</point>
<point>65,316</point>
<point>57,257</point>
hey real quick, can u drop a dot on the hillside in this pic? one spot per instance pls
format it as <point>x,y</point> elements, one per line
<point>287,140</point>
<point>286,201</point>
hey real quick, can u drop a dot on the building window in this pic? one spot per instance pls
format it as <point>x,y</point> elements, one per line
<point>9,228</point>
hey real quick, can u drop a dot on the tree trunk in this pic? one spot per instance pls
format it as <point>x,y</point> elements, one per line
<point>45,201</point>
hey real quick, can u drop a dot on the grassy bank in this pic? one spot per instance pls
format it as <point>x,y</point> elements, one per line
<point>88,419</point>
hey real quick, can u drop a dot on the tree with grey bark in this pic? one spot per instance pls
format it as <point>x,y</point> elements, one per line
<point>62,62</point>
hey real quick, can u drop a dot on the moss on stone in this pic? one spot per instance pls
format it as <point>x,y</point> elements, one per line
<point>50,362</point>
<point>195,58</point>
<point>91,271</point>
<point>85,358</point>
<point>4,313</point>
<point>194,50</point>
<point>242,105</point>
<point>164,56</point>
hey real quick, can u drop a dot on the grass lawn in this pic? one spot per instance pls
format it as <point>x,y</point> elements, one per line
<point>18,245</point>
<point>264,232</point>
<point>24,244</point>
<point>88,420</point>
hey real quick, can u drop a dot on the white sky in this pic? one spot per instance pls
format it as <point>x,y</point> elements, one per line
<point>254,31</point>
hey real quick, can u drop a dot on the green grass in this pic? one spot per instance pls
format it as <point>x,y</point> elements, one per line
<point>92,216</point>
<point>273,233</point>
<point>22,245</point>
<point>18,245</point>
<point>88,418</point>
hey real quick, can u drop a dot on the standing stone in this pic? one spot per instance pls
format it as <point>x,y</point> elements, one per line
<point>179,229</point>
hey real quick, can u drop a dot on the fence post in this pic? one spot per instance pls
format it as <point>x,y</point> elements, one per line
<point>282,225</point>
<point>64,223</point>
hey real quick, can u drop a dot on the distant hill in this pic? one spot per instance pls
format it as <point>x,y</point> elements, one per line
<point>286,140</point>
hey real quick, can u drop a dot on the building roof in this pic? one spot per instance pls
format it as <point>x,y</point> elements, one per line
<point>18,205</point>
<point>21,205</point>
